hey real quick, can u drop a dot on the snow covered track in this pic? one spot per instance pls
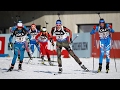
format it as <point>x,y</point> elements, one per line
<point>71,70</point>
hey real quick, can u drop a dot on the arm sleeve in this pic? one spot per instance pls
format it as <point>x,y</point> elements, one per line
<point>69,31</point>
<point>52,31</point>
<point>110,28</point>
<point>13,29</point>
<point>29,36</point>
<point>27,29</point>
<point>11,37</point>
<point>93,31</point>
<point>36,37</point>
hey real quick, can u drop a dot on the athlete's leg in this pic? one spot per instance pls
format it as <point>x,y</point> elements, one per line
<point>37,46</point>
<point>59,48</point>
<point>16,48</point>
<point>70,51</point>
<point>102,52</point>
<point>22,50</point>
<point>108,48</point>
<point>28,49</point>
<point>32,48</point>
<point>42,50</point>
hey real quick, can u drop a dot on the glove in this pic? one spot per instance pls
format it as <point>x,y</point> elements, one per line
<point>71,40</point>
<point>10,45</point>
<point>53,44</point>
<point>110,26</point>
<point>28,40</point>
<point>94,27</point>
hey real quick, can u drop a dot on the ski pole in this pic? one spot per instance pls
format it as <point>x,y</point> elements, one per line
<point>74,38</point>
<point>53,53</point>
<point>93,50</point>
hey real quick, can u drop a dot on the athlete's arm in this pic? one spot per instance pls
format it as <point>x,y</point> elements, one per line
<point>27,29</point>
<point>94,30</point>
<point>52,31</point>
<point>13,28</point>
<point>29,36</point>
<point>11,37</point>
<point>38,35</point>
<point>110,28</point>
<point>70,34</point>
<point>68,30</point>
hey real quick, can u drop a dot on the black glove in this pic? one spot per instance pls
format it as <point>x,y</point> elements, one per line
<point>71,40</point>
<point>53,44</point>
<point>10,45</point>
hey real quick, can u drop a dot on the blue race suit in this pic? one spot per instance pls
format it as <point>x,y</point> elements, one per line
<point>33,42</point>
<point>105,41</point>
<point>19,44</point>
<point>26,43</point>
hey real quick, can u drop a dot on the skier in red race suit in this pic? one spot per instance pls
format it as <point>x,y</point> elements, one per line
<point>42,37</point>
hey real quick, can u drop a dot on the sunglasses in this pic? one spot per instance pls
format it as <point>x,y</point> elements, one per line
<point>58,24</point>
<point>43,31</point>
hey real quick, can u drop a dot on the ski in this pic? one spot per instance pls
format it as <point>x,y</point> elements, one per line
<point>12,70</point>
<point>60,73</point>
<point>99,72</point>
<point>47,61</point>
<point>46,64</point>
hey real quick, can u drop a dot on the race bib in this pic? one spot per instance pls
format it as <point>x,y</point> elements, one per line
<point>103,33</point>
<point>20,39</point>
<point>61,37</point>
<point>43,39</point>
<point>33,36</point>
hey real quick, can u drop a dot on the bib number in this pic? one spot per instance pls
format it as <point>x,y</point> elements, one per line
<point>43,38</point>
<point>60,37</point>
<point>19,39</point>
<point>33,37</point>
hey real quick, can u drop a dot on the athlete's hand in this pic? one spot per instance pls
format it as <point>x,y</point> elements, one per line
<point>110,26</point>
<point>28,40</point>
<point>53,44</point>
<point>71,40</point>
<point>10,45</point>
<point>94,27</point>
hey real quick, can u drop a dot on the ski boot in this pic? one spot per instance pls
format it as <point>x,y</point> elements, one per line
<point>42,57</point>
<point>20,65</point>
<point>60,70</point>
<point>50,63</point>
<point>83,67</point>
<point>100,68</point>
<point>11,68</point>
<point>107,67</point>
<point>30,55</point>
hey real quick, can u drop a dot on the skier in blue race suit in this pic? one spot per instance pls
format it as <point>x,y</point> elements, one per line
<point>26,43</point>
<point>20,34</point>
<point>33,32</point>
<point>104,30</point>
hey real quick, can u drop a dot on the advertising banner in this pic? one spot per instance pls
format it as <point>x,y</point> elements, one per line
<point>115,48</point>
<point>82,45</point>
<point>2,45</point>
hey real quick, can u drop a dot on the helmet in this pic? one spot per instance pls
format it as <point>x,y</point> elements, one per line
<point>101,20</point>
<point>58,22</point>
<point>19,25</point>
<point>43,29</point>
